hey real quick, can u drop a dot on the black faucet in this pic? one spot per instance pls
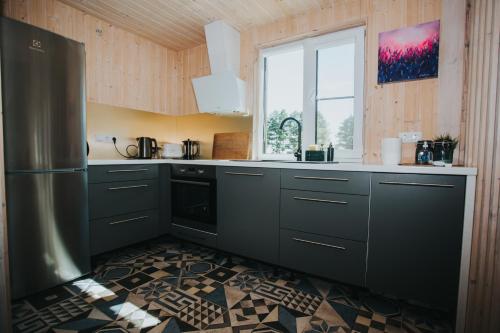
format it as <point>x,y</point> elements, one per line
<point>298,153</point>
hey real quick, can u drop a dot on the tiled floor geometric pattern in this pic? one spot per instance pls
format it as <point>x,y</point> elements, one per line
<point>171,286</point>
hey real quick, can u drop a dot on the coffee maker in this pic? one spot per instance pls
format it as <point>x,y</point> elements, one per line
<point>190,149</point>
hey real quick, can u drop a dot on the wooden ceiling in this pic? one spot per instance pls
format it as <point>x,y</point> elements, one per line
<point>178,24</point>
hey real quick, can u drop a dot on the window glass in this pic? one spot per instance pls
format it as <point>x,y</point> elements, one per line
<point>284,81</point>
<point>335,123</point>
<point>335,95</point>
<point>336,71</point>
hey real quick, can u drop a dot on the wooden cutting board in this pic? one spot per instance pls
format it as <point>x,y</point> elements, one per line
<point>231,146</point>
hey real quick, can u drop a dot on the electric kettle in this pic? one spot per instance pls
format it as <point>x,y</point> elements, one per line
<point>146,147</point>
<point>190,149</point>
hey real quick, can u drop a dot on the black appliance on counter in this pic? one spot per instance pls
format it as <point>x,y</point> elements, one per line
<point>194,197</point>
<point>190,150</point>
<point>146,147</point>
<point>424,152</point>
<point>43,94</point>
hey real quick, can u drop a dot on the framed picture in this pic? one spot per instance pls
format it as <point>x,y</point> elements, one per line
<point>409,53</point>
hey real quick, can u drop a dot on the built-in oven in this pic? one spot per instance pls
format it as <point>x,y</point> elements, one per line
<point>194,197</point>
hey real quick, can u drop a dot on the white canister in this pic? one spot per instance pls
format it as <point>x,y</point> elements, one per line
<point>391,151</point>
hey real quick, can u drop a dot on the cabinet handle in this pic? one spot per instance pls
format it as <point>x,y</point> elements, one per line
<point>320,244</point>
<point>322,178</point>
<point>126,187</point>
<point>244,174</point>
<point>130,220</point>
<point>190,182</point>
<point>322,200</point>
<point>418,184</point>
<point>127,170</point>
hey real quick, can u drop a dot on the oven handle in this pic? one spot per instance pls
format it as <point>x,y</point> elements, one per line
<point>191,182</point>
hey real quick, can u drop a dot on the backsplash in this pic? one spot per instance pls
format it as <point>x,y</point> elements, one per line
<point>127,124</point>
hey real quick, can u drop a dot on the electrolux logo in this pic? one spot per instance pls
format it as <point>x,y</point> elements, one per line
<point>36,45</point>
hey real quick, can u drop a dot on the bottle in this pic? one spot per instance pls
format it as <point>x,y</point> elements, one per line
<point>329,153</point>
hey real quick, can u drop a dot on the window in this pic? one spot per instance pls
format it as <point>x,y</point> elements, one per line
<point>318,81</point>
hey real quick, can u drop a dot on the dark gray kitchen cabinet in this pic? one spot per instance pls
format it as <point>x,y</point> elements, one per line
<point>329,214</point>
<point>109,199</point>
<point>334,258</point>
<point>415,237</point>
<point>248,201</point>
<point>122,172</point>
<point>124,205</point>
<point>165,202</point>
<point>326,181</point>
<point>117,231</point>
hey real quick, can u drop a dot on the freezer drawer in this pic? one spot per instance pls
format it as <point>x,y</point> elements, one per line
<point>48,230</point>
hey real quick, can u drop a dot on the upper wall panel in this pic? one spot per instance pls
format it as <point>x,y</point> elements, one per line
<point>122,68</point>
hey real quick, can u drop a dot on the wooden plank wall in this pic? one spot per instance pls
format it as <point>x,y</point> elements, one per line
<point>123,69</point>
<point>482,150</point>
<point>389,109</point>
<point>451,109</point>
<point>126,70</point>
<point>193,62</point>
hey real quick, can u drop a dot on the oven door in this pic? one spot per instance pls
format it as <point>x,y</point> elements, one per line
<point>194,203</point>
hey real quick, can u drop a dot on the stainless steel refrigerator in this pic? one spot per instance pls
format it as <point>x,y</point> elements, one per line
<point>43,100</point>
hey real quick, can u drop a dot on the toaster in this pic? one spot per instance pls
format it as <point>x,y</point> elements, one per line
<point>172,150</point>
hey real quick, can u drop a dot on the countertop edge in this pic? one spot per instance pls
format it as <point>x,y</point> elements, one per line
<point>462,171</point>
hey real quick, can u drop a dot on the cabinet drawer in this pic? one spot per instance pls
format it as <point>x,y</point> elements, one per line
<point>329,257</point>
<point>326,181</point>
<point>337,215</point>
<point>193,235</point>
<point>114,232</point>
<point>109,199</point>
<point>118,173</point>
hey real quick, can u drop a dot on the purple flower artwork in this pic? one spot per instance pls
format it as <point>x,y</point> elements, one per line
<point>409,53</point>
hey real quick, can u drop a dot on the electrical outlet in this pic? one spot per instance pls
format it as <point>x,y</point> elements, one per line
<point>104,138</point>
<point>410,137</point>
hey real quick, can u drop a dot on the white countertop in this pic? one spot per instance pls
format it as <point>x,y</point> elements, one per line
<point>308,166</point>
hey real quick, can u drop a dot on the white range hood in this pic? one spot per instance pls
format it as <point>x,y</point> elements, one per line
<point>223,92</point>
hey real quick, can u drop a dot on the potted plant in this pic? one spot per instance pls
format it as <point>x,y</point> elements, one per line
<point>444,145</point>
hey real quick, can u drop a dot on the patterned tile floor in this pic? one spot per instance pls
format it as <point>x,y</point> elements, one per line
<point>171,286</point>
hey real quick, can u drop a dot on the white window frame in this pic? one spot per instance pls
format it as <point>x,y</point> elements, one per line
<point>310,47</point>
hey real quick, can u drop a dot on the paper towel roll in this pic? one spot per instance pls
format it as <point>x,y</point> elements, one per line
<point>391,151</point>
